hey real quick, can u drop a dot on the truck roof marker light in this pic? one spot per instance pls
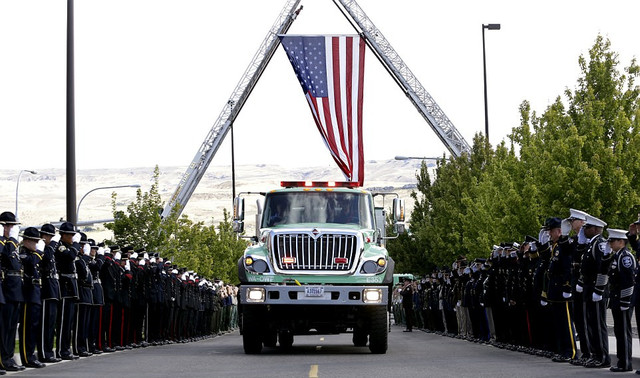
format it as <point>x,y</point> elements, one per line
<point>319,184</point>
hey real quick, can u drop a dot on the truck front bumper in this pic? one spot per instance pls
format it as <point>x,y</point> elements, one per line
<point>314,295</point>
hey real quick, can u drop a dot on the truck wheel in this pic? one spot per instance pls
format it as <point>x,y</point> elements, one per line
<point>378,327</point>
<point>286,339</point>
<point>359,337</point>
<point>251,331</point>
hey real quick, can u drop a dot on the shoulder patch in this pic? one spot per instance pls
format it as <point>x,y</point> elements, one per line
<point>627,261</point>
<point>602,246</point>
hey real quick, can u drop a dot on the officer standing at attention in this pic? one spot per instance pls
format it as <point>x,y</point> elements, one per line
<point>31,255</point>
<point>66,254</point>
<point>85,300</point>
<point>592,283</point>
<point>558,291</point>
<point>49,293</point>
<point>621,282</point>
<point>95,262</point>
<point>12,289</point>
<point>407,304</point>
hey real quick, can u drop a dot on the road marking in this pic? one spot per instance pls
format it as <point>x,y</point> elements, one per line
<point>313,372</point>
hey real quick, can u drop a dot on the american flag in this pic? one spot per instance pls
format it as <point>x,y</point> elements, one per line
<point>331,71</point>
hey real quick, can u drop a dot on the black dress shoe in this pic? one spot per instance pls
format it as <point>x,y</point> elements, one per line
<point>14,367</point>
<point>52,360</point>
<point>560,358</point>
<point>97,351</point>
<point>84,354</point>
<point>3,372</point>
<point>617,369</point>
<point>69,357</point>
<point>35,364</point>
<point>118,347</point>
<point>108,350</point>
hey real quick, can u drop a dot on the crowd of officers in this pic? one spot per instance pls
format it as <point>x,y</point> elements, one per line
<point>60,288</point>
<point>546,296</point>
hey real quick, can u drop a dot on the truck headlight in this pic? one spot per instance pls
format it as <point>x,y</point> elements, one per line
<point>372,295</point>
<point>255,294</point>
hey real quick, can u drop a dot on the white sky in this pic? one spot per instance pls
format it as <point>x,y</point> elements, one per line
<point>153,75</point>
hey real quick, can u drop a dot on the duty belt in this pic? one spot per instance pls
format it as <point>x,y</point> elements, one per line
<point>13,273</point>
<point>67,275</point>
<point>36,281</point>
<point>51,275</point>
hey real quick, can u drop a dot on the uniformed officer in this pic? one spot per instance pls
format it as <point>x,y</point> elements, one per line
<point>85,299</point>
<point>621,283</point>
<point>558,291</point>
<point>31,256</point>
<point>592,283</point>
<point>66,253</point>
<point>49,293</point>
<point>12,289</point>
<point>95,264</point>
<point>109,280</point>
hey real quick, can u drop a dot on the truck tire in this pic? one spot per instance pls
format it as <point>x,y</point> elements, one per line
<point>270,338</point>
<point>359,337</point>
<point>378,330</point>
<point>251,331</point>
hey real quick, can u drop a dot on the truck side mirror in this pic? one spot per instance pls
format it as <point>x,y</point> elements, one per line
<point>238,215</point>
<point>398,210</point>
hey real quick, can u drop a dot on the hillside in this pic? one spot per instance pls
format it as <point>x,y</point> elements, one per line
<point>42,196</point>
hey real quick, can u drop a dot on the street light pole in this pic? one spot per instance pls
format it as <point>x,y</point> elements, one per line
<point>484,66</point>
<point>18,185</point>
<point>102,187</point>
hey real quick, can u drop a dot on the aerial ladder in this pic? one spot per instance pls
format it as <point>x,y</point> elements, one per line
<point>417,94</point>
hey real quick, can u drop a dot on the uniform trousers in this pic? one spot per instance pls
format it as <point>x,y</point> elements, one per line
<point>29,330</point>
<point>596,322</point>
<point>67,312</point>
<point>81,332</point>
<point>48,323</point>
<point>622,330</point>
<point>578,318</point>
<point>563,327</point>
<point>10,312</point>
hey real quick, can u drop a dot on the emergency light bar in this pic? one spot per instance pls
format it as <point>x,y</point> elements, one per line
<point>319,184</point>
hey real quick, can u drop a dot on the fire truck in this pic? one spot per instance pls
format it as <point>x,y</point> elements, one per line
<point>318,265</point>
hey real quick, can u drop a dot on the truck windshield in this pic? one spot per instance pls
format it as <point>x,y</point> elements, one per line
<point>318,207</point>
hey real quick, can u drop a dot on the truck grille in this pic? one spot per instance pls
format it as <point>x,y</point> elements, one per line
<point>302,251</point>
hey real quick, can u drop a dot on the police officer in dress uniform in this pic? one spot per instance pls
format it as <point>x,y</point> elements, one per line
<point>12,289</point>
<point>95,262</point>
<point>66,254</point>
<point>85,299</point>
<point>621,283</point>
<point>31,256</point>
<point>49,294</point>
<point>108,278</point>
<point>594,277</point>
<point>558,291</point>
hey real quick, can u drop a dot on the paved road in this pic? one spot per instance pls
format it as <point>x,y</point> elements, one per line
<point>415,354</point>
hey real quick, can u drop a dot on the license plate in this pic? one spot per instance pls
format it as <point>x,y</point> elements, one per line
<point>314,291</point>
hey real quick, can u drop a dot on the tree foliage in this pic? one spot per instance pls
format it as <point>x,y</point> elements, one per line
<point>581,152</point>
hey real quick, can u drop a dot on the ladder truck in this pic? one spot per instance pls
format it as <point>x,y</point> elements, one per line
<point>381,48</point>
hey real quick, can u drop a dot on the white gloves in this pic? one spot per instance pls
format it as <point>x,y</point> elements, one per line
<point>579,288</point>
<point>566,295</point>
<point>117,256</point>
<point>100,251</point>
<point>607,249</point>
<point>543,236</point>
<point>543,302</point>
<point>565,227</point>
<point>56,238</point>
<point>533,247</point>
<point>40,245</point>
<point>596,297</point>
<point>14,232</point>
<point>76,237</point>
<point>582,239</point>
<point>86,249</point>
<point>624,308</point>
<point>153,260</point>
<point>142,262</point>
<point>146,256</point>
<point>127,266</point>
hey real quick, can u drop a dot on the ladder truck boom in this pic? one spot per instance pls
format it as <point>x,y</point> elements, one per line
<point>195,171</point>
<point>418,95</point>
